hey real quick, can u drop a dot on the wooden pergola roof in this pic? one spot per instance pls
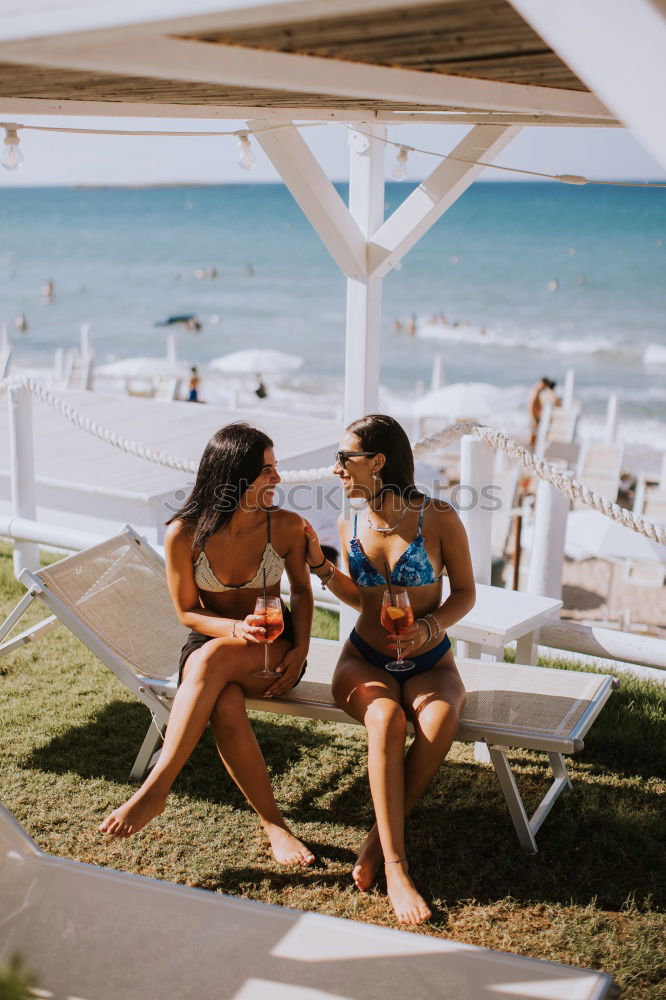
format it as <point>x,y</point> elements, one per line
<point>333,58</point>
<point>485,39</point>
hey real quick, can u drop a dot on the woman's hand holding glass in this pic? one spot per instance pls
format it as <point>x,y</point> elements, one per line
<point>411,638</point>
<point>252,629</point>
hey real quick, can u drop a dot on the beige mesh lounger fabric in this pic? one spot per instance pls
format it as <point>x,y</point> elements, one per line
<point>92,933</point>
<point>113,596</point>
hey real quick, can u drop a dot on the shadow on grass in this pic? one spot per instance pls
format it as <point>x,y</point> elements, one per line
<point>602,841</point>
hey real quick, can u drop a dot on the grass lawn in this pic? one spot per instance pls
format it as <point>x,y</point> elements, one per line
<point>593,896</point>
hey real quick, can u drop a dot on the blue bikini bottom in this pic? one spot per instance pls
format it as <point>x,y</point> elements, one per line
<point>421,663</point>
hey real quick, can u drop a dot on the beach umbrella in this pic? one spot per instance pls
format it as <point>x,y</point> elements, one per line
<point>256,361</point>
<point>591,534</point>
<point>460,400</point>
<point>144,368</point>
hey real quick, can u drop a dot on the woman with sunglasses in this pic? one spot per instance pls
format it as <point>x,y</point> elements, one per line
<point>417,538</point>
<point>228,531</point>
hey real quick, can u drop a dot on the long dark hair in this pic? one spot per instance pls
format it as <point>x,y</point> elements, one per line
<point>380,433</point>
<point>232,459</point>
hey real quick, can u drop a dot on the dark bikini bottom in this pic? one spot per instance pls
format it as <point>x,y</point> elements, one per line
<point>196,639</point>
<point>421,663</point>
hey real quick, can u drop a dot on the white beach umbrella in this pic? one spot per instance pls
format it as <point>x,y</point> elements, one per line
<point>476,400</point>
<point>142,367</point>
<point>593,535</point>
<point>256,361</point>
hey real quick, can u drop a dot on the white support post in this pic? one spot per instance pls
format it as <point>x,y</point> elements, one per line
<point>171,350</point>
<point>86,347</point>
<point>569,389</point>
<point>612,413</point>
<point>26,554</point>
<point>364,294</point>
<point>547,559</point>
<point>476,475</point>
<point>4,338</point>
<point>438,377</point>
<point>431,199</point>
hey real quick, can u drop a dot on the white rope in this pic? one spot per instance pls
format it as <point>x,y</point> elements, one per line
<point>497,440</point>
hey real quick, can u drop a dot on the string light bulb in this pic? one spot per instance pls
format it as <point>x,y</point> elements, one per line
<point>12,157</point>
<point>246,158</point>
<point>399,171</point>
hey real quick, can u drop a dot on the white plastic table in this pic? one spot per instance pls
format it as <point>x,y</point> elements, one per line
<point>501,616</point>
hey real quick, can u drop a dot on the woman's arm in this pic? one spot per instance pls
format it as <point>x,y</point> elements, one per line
<point>339,583</point>
<point>185,593</point>
<point>302,601</point>
<point>454,547</point>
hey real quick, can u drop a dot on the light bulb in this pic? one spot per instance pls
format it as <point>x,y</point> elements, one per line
<point>12,157</point>
<point>246,157</point>
<point>399,171</point>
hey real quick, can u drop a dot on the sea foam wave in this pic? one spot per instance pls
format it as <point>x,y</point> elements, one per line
<point>654,354</point>
<point>468,334</point>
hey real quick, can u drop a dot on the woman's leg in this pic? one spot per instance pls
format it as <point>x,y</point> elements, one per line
<point>372,697</point>
<point>240,753</point>
<point>433,702</point>
<point>206,673</point>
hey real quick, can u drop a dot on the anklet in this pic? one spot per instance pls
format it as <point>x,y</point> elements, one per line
<point>396,862</point>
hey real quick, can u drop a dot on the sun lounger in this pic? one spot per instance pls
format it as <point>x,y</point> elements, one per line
<point>100,934</point>
<point>113,596</point>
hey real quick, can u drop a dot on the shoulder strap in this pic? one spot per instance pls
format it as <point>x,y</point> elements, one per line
<point>425,500</point>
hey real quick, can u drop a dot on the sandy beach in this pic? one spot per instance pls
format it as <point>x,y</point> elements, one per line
<point>592,592</point>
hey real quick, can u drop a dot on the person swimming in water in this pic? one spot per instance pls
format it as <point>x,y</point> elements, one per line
<point>420,538</point>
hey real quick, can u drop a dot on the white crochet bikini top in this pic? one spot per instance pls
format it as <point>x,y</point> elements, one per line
<point>271,561</point>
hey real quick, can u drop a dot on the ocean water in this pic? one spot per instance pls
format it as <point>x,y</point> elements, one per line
<point>531,279</point>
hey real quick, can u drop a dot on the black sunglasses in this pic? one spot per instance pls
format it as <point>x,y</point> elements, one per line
<point>341,457</point>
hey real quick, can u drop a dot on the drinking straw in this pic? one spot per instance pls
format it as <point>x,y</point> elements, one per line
<point>265,597</point>
<point>388,580</point>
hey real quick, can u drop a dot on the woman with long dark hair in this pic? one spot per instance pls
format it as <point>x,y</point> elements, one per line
<point>228,531</point>
<point>411,539</point>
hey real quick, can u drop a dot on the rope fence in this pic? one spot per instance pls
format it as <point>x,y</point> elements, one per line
<point>516,452</point>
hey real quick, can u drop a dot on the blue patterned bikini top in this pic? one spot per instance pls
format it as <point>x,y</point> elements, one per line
<point>413,568</point>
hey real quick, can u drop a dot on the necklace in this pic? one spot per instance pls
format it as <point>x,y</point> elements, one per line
<point>386,531</point>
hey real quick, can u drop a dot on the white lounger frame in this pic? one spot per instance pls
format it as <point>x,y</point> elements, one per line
<point>158,696</point>
<point>92,932</point>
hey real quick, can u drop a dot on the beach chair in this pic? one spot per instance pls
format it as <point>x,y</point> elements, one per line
<point>93,932</point>
<point>168,388</point>
<point>114,598</point>
<point>599,467</point>
<point>80,371</point>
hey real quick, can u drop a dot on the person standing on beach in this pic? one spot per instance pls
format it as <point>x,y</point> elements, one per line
<point>228,530</point>
<point>540,393</point>
<point>193,387</point>
<point>420,538</point>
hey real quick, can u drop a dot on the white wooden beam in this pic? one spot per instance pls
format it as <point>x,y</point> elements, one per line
<point>11,107</point>
<point>619,50</point>
<point>316,195</point>
<point>142,54</point>
<point>435,195</point>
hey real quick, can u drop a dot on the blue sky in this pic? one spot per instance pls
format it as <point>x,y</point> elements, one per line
<point>52,158</point>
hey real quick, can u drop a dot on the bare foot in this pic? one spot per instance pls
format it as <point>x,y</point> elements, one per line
<point>368,861</point>
<point>133,815</point>
<point>410,907</point>
<point>287,849</point>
